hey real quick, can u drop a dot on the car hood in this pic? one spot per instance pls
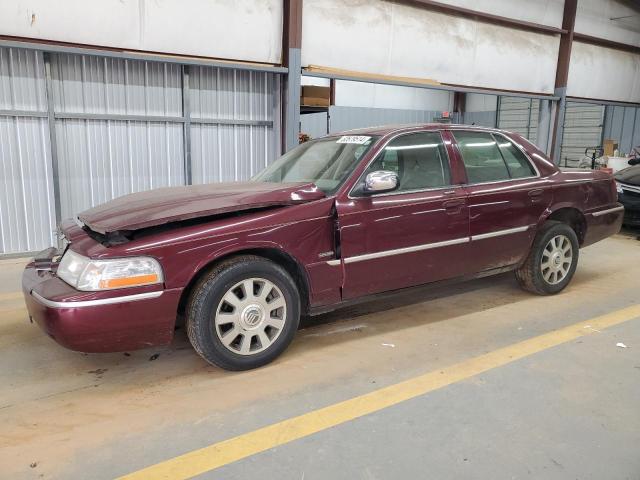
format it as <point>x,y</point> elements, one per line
<point>173,204</point>
<point>629,175</point>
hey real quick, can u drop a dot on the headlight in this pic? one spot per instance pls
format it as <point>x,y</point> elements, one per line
<point>85,274</point>
<point>618,187</point>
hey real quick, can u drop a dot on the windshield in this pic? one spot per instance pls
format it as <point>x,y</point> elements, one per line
<point>327,162</point>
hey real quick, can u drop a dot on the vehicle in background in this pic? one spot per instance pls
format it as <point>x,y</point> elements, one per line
<point>628,186</point>
<point>335,220</point>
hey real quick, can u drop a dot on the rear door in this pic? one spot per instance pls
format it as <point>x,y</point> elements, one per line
<point>506,198</point>
<point>416,234</point>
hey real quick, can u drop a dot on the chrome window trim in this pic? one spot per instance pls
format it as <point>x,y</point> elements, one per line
<point>353,187</point>
<point>428,246</point>
<point>538,175</point>
<point>608,210</point>
<point>94,303</point>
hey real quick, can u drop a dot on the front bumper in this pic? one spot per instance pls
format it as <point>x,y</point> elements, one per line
<point>113,321</point>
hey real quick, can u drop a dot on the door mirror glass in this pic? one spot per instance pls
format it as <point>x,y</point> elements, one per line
<point>380,181</point>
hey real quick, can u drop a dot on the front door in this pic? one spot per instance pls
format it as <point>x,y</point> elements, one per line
<point>506,198</point>
<point>416,234</point>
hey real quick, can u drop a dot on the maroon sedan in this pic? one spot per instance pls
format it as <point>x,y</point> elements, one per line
<point>333,221</point>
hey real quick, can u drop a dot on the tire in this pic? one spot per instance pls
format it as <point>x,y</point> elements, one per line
<point>541,272</point>
<point>264,321</point>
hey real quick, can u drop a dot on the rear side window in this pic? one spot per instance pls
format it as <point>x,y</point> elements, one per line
<point>481,156</point>
<point>491,158</point>
<point>519,166</point>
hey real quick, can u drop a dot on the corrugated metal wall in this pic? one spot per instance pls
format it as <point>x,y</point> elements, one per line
<point>120,127</point>
<point>27,218</point>
<point>623,125</point>
<point>101,159</point>
<point>234,115</point>
<point>582,129</point>
<point>519,115</point>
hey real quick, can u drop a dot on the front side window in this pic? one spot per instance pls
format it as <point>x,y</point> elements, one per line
<point>491,158</point>
<point>326,162</point>
<point>419,159</point>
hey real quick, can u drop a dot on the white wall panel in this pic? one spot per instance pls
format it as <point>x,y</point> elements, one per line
<point>604,73</point>
<point>360,94</point>
<point>394,39</point>
<point>544,12</point>
<point>611,19</point>
<point>246,30</point>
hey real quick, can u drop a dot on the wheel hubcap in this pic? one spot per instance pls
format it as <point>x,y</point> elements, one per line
<point>557,258</point>
<point>250,316</point>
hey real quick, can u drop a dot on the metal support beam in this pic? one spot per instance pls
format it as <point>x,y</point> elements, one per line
<point>291,52</point>
<point>186,126</point>
<point>562,75</point>
<point>544,125</point>
<point>53,143</point>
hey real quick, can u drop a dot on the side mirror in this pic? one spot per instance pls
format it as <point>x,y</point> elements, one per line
<point>380,181</point>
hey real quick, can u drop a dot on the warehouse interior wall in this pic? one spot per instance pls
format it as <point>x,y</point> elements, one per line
<point>480,109</point>
<point>120,126</point>
<point>622,124</point>
<point>383,37</point>
<point>251,30</point>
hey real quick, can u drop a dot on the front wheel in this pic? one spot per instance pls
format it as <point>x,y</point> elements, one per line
<point>243,314</point>
<point>552,260</point>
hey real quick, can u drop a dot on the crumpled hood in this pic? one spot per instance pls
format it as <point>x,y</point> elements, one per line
<point>163,205</point>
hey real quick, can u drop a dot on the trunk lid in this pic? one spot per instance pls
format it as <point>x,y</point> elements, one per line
<point>173,204</point>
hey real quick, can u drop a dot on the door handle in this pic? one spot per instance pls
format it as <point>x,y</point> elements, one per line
<point>536,195</point>
<point>453,207</point>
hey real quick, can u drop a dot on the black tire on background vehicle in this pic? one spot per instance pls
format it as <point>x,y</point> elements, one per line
<point>552,260</point>
<point>243,313</point>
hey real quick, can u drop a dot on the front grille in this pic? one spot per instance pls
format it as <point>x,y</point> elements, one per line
<point>631,193</point>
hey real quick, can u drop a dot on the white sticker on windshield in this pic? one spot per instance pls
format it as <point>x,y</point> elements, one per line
<point>357,139</point>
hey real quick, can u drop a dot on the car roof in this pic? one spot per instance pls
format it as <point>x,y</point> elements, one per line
<point>388,129</point>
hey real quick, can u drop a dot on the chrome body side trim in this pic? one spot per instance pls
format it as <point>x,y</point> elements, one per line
<point>608,210</point>
<point>399,251</point>
<point>94,303</point>
<point>428,246</point>
<point>499,233</point>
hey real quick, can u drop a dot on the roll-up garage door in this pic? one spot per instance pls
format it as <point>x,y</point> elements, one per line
<point>519,115</point>
<point>582,128</point>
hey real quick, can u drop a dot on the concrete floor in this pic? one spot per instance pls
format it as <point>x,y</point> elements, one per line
<point>567,412</point>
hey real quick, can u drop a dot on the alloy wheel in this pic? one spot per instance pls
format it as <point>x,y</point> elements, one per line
<point>557,257</point>
<point>250,316</point>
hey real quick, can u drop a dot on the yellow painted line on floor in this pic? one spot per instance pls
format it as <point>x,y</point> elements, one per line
<point>11,296</point>
<point>228,451</point>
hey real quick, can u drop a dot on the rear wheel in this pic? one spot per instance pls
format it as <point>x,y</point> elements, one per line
<point>243,314</point>
<point>552,260</point>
